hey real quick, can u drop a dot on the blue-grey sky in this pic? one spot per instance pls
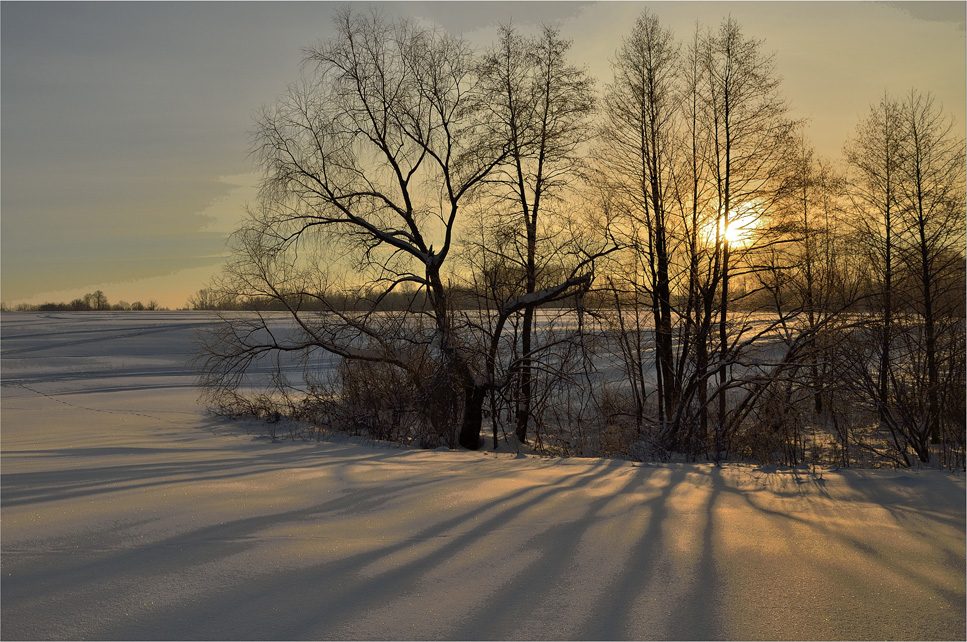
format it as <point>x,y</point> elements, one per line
<point>125,125</point>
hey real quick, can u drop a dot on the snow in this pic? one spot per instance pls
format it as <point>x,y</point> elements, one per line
<point>129,513</point>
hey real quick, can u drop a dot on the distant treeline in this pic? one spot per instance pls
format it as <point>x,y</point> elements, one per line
<point>748,296</point>
<point>92,301</point>
<point>401,300</point>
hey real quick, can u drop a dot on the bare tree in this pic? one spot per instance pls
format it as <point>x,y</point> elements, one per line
<point>749,133</point>
<point>367,163</point>
<point>639,137</point>
<point>874,157</point>
<point>541,106</point>
<point>932,215</point>
<point>210,299</point>
<point>694,194</point>
<point>908,168</point>
<point>811,219</point>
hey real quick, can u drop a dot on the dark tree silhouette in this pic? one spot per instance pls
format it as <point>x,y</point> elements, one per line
<point>541,106</point>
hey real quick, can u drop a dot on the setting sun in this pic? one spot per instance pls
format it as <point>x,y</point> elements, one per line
<point>741,225</point>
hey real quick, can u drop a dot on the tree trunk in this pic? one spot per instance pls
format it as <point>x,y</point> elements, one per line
<point>723,347</point>
<point>474,396</point>
<point>473,393</point>
<point>524,402</point>
<point>930,339</point>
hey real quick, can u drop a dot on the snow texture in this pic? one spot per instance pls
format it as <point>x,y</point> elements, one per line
<point>129,513</point>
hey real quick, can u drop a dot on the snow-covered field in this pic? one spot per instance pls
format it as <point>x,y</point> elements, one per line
<point>128,513</point>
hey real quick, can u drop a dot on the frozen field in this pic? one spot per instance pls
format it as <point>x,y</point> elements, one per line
<point>128,513</point>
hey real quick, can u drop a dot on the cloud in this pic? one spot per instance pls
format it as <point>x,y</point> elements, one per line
<point>954,13</point>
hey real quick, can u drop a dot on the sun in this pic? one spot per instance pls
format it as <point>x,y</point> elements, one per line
<point>739,230</point>
<point>742,223</point>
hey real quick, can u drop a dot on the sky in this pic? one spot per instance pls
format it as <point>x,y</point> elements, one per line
<point>126,126</point>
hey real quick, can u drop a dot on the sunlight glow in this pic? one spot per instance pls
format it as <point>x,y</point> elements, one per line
<point>742,224</point>
<point>741,229</point>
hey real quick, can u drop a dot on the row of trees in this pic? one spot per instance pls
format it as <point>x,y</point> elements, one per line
<point>90,301</point>
<point>665,268</point>
<point>908,169</point>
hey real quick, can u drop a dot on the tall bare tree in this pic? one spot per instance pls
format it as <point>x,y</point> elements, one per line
<point>908,165</point>
<point>639,137</point>
<point>750,131</point>
<point>932,215</point>
<point>542,106</point>
<point>810,211</point>
<point>694,194</point>
<point>373,154</point>
<point>874,157</point>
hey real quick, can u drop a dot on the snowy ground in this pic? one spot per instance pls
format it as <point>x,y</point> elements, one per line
<point>128,513</point>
